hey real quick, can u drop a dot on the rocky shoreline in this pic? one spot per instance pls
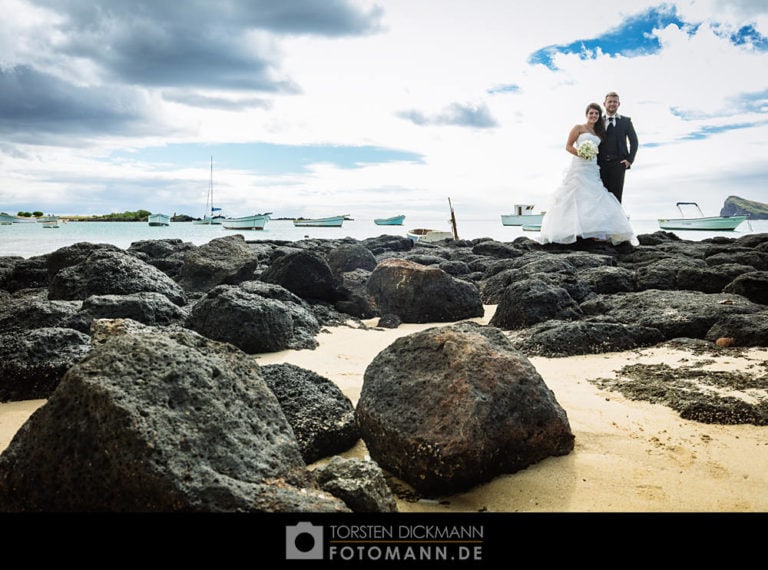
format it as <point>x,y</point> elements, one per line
<point>80,321</point>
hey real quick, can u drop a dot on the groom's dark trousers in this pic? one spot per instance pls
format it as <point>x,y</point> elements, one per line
<point>620,143</point>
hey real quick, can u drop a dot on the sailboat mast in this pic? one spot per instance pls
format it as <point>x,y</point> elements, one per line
<point>210,189</point>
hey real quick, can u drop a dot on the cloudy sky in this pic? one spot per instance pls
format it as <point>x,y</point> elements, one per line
<point>372,108</point>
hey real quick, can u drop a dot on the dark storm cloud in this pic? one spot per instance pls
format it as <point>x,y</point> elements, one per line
<point>198,43</point>
<point>32,103</point>
<point>326,17</point>
<point>220,103</point>
<point>456,114</point>
<point>121,50</point>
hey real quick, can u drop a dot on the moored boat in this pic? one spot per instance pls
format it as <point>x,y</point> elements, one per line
<point>393,221</point>
<point>209,218</point>
<point>49,221</point>
<point>330,222</point>
<point>523,215</point>
<point>159,220</point>
<point>428,235</point>
<point>254,222</point>
<point>710,223</point>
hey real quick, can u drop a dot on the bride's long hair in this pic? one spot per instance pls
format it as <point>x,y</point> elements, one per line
<point>599,125</point>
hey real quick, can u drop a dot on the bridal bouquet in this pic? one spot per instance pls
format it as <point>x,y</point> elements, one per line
<point>587,150</point>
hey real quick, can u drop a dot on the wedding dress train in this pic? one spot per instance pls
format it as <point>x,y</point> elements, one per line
<point>581,207</point>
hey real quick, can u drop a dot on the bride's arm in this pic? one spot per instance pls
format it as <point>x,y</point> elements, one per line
<point>572,136</point>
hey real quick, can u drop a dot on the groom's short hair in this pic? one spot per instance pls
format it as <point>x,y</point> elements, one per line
<point>611,94</point>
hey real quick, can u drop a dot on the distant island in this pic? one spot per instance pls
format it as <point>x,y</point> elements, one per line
<point>736,206</point>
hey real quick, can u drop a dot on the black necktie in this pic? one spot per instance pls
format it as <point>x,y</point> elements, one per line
<point>611,122</point>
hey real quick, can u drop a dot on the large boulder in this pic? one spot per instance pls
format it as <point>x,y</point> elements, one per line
<point>753,286</point>
<point>305,274</point>
<point>674,313</point>
<point>29,273</point>
<point>254,321</point>
<point>225,260</point>
<point>741,330</point>
<point>33,362</point>
<point>33,310</point>
<point>155,422</point>
<point>451,407</point>
<point>322,417</point>
<point>107,272</point>
<point>149,308</point>
<point>165,254</point>
<point>419,294</point>
<point>556,338</point>
<point>349,257</point>
<point>531,301</point>
<point>385,244</point>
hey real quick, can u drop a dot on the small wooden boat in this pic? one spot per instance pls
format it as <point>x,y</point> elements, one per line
<point>393,221</point>
<point>331,222</point>
<point>711,223</point>
<point>523,215</point>
<point>51,224</point>
<point>159,220</point>
<point>254,222</point>
<point>428,235</point>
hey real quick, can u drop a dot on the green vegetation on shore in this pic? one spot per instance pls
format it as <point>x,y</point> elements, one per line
<point>137,216</point>
<point>736,206</point>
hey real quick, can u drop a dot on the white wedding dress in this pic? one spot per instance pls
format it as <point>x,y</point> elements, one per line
<point>582,208</point>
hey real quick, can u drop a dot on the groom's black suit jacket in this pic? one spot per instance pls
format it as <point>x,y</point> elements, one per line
<point>624,147</point>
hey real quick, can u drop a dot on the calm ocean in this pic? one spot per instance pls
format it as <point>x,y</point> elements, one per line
<point>31,239</point>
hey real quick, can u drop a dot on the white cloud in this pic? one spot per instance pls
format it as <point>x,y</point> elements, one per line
<point>412,77</point>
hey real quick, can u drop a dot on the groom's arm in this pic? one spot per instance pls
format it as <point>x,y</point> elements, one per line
<point>632,137</point>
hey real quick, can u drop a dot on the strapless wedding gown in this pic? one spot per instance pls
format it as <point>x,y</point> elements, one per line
<point>582,208</point>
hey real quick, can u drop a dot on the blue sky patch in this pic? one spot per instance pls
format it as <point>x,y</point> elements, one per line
<point>266,158</point>
<point>749,36</point>
<point>633,38</point>
<point>508,88</point>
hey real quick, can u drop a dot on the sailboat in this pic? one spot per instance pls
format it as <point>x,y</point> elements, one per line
<point>209,217</point>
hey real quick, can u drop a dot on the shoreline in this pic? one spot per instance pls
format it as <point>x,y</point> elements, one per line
<point>629,455</point>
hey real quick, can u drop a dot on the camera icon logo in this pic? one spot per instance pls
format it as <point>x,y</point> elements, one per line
<point>304,541</point>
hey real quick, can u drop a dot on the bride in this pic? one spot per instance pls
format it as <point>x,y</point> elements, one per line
<point>581,207</point>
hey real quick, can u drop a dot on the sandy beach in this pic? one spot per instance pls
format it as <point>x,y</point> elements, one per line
<point>629,456</point>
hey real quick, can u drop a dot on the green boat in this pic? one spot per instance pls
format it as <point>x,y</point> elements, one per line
<point>711,223</point>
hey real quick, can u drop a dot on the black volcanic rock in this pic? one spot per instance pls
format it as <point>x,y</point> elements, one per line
<point>451,407</point>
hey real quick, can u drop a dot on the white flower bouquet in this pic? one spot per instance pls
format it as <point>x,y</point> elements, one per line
<point>587,150</point>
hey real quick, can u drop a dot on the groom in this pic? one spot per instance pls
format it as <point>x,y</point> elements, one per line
<point>618,148</point>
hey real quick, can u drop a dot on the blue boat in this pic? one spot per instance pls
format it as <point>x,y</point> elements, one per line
<point>393,221</point>
<point>159,220</point>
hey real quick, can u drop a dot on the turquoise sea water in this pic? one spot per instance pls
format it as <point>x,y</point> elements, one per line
<point>31,239</point>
